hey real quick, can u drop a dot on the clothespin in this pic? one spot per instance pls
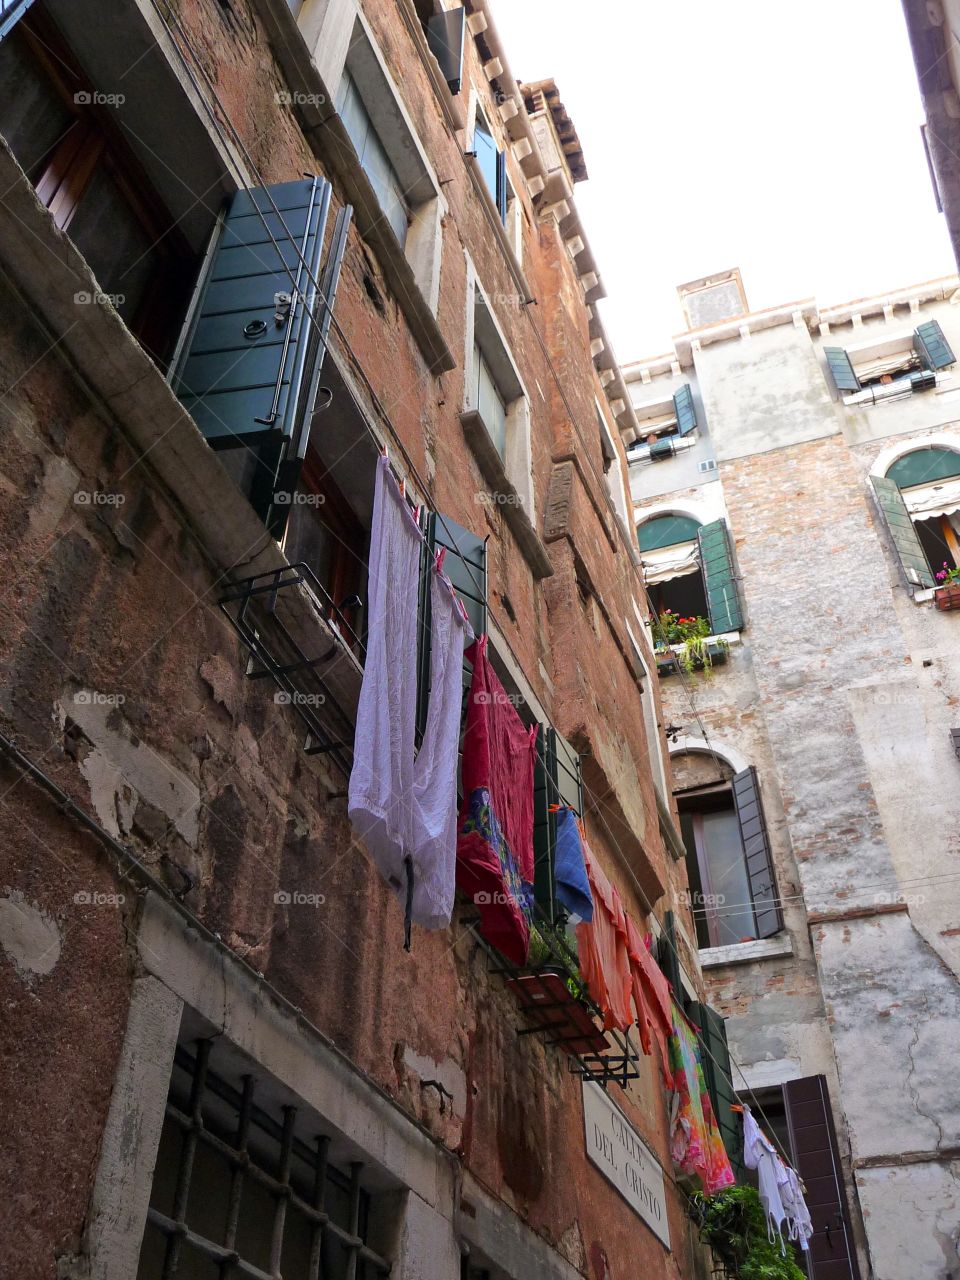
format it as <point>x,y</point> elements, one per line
<point>735,1107</point>
<point>403,486</point>
<point>440,556</point>
<point>384,451</point>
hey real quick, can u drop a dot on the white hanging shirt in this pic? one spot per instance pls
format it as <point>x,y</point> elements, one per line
<point>758,1153</point>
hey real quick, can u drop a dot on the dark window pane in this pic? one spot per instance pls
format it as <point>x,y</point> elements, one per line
<point>33,117</point>
<point>117,247</point>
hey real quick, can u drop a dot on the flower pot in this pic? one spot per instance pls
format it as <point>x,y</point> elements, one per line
<point>948,597</point>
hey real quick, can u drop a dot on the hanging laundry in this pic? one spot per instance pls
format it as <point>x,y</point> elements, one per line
<point>602,948</point>
<point>651,997</point>
<point>381,781</point>
<point>779,1186</point>
<point>695,1142</point>
<point>435,769</point>
<point>570,872</point>
<point>495,841</point>
<point>795,1206</point>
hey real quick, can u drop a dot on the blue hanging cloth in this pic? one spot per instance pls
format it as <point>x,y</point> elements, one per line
<point>573,887</point>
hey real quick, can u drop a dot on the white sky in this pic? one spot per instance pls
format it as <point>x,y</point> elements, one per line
<point>782,139</point>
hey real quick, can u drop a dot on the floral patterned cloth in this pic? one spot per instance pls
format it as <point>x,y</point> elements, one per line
<point>695,1142</point>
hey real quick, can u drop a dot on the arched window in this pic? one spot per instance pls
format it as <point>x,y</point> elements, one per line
<point>920,499</point>
<point>734,895</point>
<point>688,568</point>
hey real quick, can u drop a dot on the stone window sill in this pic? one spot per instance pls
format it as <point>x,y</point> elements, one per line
<point>746,952</point>
<point>718,646</point>
<point>504,494</point>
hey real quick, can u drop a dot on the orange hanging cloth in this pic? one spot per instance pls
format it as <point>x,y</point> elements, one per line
<point>602,948</point>
<point>651,997</point>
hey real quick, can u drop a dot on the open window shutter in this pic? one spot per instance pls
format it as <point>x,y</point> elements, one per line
<point>557,779</point>
<point>719,1078</point>
<point>502,185</point>
<point>756,852</point>
<point>813,1145</point>
<point>904,535</point>
<point>544,826</point>
<point>932,347</point>
<point>669,959</point>
<point>445,38</point>
<point>719,580</point>
<point>685,410</point>
<point>11,11</point>
<point>841,369</point>
<point>465,564</point>
<point>248,370</point>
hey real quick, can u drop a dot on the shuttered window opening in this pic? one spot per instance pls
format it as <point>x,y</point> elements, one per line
<point>445,36</point>
<point>11,11</point>
<point>685,410</point>
<point>932,346</point>
<point>913,561</point>
<point>813,1148</point>
<point>465,564</point>
<point>719,578</point>
<point>718,1074</point>
<point>247,375</point>
<point>493,164</point>
<point>557,779</point>
<point>757,853</point>
<point>373,157</point>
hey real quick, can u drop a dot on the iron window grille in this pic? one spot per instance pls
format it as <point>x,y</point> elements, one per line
<point>238,1192</point>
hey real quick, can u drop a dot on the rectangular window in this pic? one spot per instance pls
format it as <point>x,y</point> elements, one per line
<point>65,137</point>
<point>373,157</point>
<point>730,863</point>
<point>489,401</point>
<point>492,162</point>
<point>557,779</point>
<point>245,1184</point>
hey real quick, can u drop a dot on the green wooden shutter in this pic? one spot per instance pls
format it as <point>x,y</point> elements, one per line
<point>757,853</point>
<point>905,539</point>
<point>669,958</point>
<point>465,564</point>
<point>685,410</point>
<point>932,347</point>
<point>248,372</point>
<point>502,185</point>
<point>717,1072</point>
<point>841,369</point>
<point>719,578</point>
<point>11,11</point>
<point>445,38</point>
<point>557,779</point>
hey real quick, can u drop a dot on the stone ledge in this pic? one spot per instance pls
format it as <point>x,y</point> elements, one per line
<point>746,952</point>
<point>505,493</point>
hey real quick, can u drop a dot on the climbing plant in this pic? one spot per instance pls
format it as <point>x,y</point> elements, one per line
<point>734,1225</point>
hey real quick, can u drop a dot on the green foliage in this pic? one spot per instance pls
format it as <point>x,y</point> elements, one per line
<point>690,633</point>
<point>734,1225</point>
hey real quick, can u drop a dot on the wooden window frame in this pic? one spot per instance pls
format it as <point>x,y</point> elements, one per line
<point>348,533</point>
<point>717,799</point>
<point>96,141</point>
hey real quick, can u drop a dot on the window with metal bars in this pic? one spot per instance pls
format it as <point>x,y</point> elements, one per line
<point>244,1186</point>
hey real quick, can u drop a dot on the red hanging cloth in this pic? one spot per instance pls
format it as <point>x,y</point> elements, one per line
<point>495,832</point>
<point>651,997</point>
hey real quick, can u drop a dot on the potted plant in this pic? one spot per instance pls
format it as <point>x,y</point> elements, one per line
<point>550,997</point>
<point>685,642</point>
<point>734,1225</point>
<point>948,592</point>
